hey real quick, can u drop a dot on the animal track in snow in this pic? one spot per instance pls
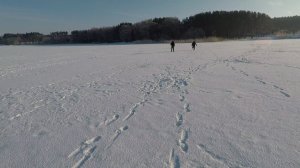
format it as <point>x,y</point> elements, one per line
<point>182,141</point>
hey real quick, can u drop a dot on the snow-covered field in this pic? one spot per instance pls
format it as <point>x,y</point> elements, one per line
<point>227,104</point>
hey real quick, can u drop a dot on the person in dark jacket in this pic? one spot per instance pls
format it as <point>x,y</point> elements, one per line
<point>194,45</point>
<point>172,46</point>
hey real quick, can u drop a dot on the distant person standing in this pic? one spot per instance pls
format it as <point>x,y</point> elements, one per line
<point>172,46</point>
<point>194,44</point>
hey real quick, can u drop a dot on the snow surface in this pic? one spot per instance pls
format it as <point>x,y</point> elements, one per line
<point>227,104</point>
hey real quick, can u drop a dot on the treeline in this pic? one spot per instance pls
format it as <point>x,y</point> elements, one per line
<point>35,38</point>
<point>287,24</point>
<point>153,29</point>
<point>234,24</point>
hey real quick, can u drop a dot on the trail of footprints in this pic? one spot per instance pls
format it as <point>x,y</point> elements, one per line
<point>110,121</point>
<point>116,135</point>
<point>179,119</point>
<point>86,149</point>
<point>182,141</point>
<point>187,107</point>
<point>183,137</point>
<point>183,134</point>
<point>133,110</point>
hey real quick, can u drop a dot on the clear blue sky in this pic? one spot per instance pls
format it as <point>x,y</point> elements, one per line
<point>51,15</point>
